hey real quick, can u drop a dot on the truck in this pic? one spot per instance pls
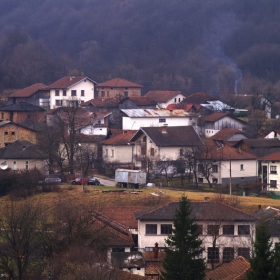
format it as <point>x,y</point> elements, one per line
<point>128,178</point>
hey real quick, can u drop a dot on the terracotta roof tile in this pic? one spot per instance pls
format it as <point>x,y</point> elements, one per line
<point>272,157</point>
<point>233,270</point>
<point>215,117</point>
<point>198,98</point>
<point>153,268</point>
<point>184,106</point>
<point>120,139</point>
<point>28,91</point>
<point>67,82</point>
<point>226,133</point>
<point>162,95</point>
<point>103,102</point>
<point>118,82</point>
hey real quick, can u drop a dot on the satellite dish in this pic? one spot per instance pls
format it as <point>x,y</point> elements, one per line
<point>3,165</point>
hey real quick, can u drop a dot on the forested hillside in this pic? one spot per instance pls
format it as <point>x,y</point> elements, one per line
<point>217,46</point>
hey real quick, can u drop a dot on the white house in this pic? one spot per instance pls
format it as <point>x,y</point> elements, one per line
<point>165,97</point>
<point>273,134</point>
<point>136,118</point>
<point>217,121</point>
<point>71,91</point>
<point>233,229</point>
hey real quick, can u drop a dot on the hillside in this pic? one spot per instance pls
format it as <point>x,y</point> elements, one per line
<point>215,46</point>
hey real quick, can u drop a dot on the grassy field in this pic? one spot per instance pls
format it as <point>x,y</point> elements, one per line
<point>145,197</point>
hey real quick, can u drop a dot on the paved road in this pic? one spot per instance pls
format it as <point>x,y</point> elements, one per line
<point>106,181</point>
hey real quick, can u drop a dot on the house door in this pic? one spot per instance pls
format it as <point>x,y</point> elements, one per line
<point>264,173</point>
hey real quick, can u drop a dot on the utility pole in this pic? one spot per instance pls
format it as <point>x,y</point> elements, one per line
<point>83,185</point>
<point>229,175</point>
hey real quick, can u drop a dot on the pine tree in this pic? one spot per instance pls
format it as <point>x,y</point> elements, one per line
<point>262,259</point>
<point>275,271</point>
<point>183,248</point>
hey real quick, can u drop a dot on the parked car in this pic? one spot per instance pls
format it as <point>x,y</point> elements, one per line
<point>51,180</point>
<point>94,182</point>
<point>79,181</point>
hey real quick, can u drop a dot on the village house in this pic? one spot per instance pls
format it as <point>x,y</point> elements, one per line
<point>71,91</point>
<point>273,134</point>
<point>136,118</point>
<point>153,144</point>
<point>118,88</point>
<point>165,97</point>
<point>233,230</point>
<point>219,120</point>
<point>22,112</point>
<point>36,94</point>
<point>23,155</point>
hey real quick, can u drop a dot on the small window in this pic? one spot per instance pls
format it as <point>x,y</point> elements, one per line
<point>106,152</point>
<point>58,102</point>
<point>181,152</point>
<point>73,92</point>
<point>118,250</point>
<point>179,99</point>
<point>102,93</point>
<point>126,93</point>
<point>152,151</point>
<point>14,165</point>
<point>165,229</point>
<point>64,92</point>
<point>162,120</point>
<point>215,168</point>
<point>244,252</point>
<point>273,169</point>
<point>215,181</point>
<point>175,100</point>
<point>108,93</point>
<point>213,230</point>
<point>26,165</point>
<point>57,92</point>
<point>6,132</point>
<point>228,254</point>
<point>143,151</point>
<point>112,154</point>
<point>228,229</point>
<point>82,92</point>
<point>200,180</point>
<point>13,133</point>
<point>213,254</point>
<point>199,230</point>
<point>243,230</point>
<point>273,183</point>
<point>151,229</point>
<point>241,167</point>
<point>200,167</point>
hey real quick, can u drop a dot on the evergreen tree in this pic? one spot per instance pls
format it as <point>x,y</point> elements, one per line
<point>262,259</point>
<point>275,272</point>
<point>183,247</point>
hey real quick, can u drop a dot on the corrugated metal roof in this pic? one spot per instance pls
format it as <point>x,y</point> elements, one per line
<point>155,113</point>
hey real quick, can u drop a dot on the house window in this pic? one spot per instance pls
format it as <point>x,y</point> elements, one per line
<point>179,99</point>
<point>26,165</point>
<point>152,151</point>
<point>106,152</point>
<point>228,229</point>
<point>175,100</point>
<point>181,153</point>
<point>13,133</point>
<point>82,92</point>
<point>126,93</point>
<point>6,132</point>
<point>57,92</point>
<point>215,181</point>
<point>162,120</point>
<point>199,229</point>
<point>58,102</point>
<point>108,93</point>
<point>73,92</point>
<point>241,167</point>
<point>15,165</point>
<point>200,180</point>
<point>112,153</point>
<point>244,252</point>
<point>64,92</point>
<point>144,139</point>
<point>118,250</point>
<point>243,229</point>
<point>228,254</point>
<point>151,229</point>
<point>102,93</point>
<point>213,230</point>
<point>213,254</point>
<point>143,151</point>
<point>273,169</point>
<point>165,229</point>
<point>215,168</point>
<point>273,183</point>
<point>200,167</point>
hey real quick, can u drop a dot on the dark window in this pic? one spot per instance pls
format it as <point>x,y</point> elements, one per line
<point>200,180</point>
<point>102,93</point>
<point>273,183</point>
<point>57,92</point>
<point>73,92</point>
<point>243,230</point>
<point>199,229</point>
<point>165,229</point>
<point>213,254</point>
<point>64,92</point>
<point>200,167</point>
<point>58,102</point>
<point>152,151</point>
<point>241,167</point>
<point>228,229</point>
<point>144,139</point>
<point>181,152</point>
<point>162,120</point>
<point>143,150</point>
<point>215,168</point>
<point>6,133</point>
<point>273,169</point>
<point>213,230</point>
<point>26,165</point>
<point>82,92</point>
<point>244,252</point>
<point>108,93</point>
<point>13,133</point>
<point>126,93</point>
<point>117,250</point>
<point>228,254</point>
<point>151,229</point>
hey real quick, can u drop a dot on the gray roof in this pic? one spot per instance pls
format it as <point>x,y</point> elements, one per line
<point>156,113</point>
<point>260,143</point>
<point>172,136</point>
<point>21,149</point>
<point>201,211</point>
<point>21,107</point>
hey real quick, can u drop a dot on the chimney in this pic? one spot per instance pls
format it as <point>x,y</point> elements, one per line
<point>164,128</point>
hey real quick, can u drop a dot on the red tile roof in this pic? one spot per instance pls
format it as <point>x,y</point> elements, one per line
<point>162,95</point>
<point>119,83</point>
<point>226,133</point>
<point>186,107</point>
<point>67,82</point>
<point>103,102</point>
<point>272,157</point>
<point>198,98</point>
<point>28,91</point>
<point>234,270</point>
<point>120,139</point>
<point>215,117</point>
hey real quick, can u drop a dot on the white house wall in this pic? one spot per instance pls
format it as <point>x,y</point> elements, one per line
<point>122,154</point>
<point>85,85</point>
<point>21,164</point>
<point>175,100</point>
<point>272,176</point>
<point>91,130</point>
<point>135,123</point>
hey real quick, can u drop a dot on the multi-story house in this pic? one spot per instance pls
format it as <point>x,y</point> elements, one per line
<point>226,232</point>
<point>71,91</point>
<point>118,88</point>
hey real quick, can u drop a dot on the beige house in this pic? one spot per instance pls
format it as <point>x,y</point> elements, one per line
<point>233,229</point>
<point>153,144</point>
<point>118,88</point>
